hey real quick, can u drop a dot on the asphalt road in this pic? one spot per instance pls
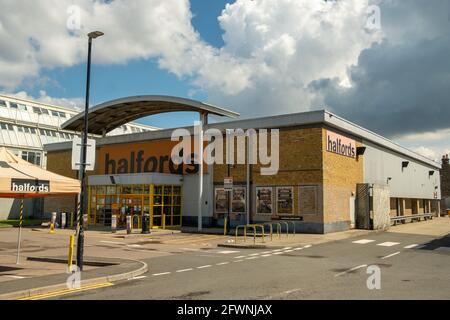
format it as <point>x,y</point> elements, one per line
<point>411,267</point>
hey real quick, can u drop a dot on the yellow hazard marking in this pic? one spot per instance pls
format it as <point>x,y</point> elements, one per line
<point>68,291</point>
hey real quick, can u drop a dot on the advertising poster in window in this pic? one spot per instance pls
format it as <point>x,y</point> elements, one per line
<point>264,200</point>
<point>220,200</point>
<point>285,200</point>
<point>238,200</point>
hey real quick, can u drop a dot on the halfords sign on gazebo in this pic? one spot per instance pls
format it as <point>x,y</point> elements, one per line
<point>27,185</point>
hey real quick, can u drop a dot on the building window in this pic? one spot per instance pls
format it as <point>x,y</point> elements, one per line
<point>37,110</point>
<point>62,114</point>
<point>55,113</point>
<point>23,107</point>
<point>33,130</point>
<point>10,127</point>
<point>2,103</point>
<point>20,129</point>
<point>45,111</point>
<point>32,157</point>
<point>4,126</point>
<point>13,105</point>
<point>285,200</point>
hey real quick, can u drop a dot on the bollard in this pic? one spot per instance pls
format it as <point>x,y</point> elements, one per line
<point>63,220</point>
<point>113,223</point>
<point>85,221</point>
<point>164,221</point>
<point>145,223</point>
<point>70,254</point>
<point>52,228</point>
<point>129,224</point>
<point>225,221</point>
<point>54,214</point>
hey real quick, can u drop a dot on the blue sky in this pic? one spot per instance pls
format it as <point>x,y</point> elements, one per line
<point>137,77</point>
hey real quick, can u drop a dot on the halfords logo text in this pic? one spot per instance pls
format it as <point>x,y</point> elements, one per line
<point>21,185</point>
<point>341,145</point>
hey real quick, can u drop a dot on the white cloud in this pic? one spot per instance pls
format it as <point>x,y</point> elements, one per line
<point>34,34</point>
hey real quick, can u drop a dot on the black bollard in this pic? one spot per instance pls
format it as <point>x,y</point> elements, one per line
<point>145,224</point>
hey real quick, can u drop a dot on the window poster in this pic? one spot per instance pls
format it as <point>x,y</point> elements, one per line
<point>220,200</point>
<point>238,204</point>
<point>285,200</point>
<point>264,200</point>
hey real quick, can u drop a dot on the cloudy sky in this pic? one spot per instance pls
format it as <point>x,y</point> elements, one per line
<point>384,64</point>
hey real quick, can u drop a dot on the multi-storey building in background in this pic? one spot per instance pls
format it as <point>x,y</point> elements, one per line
<point>26,126</point>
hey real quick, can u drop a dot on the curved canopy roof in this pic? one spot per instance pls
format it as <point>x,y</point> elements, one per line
<point>107,116</point>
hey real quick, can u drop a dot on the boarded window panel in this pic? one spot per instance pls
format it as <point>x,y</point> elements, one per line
<point>308,200</point>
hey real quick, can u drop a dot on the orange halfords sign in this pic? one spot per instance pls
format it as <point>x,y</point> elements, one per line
<point>152,156</point>
<point>341,145</point>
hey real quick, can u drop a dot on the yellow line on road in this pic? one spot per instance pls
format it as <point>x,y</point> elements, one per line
<point>68,291</point>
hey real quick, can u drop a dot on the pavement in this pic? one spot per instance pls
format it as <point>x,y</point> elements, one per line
<point>412,258</point>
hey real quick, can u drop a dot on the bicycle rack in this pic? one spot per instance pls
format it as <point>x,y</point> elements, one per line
<point>287,227</point>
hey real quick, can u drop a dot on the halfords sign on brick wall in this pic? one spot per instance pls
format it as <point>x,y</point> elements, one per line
<point>25,185</point>
<point>145,157</point>
<point>340,145</point>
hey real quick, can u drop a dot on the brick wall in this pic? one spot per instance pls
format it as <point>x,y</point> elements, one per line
<point>341,174</point>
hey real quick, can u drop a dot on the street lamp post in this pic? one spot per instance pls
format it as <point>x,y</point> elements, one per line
<point>82,171</point>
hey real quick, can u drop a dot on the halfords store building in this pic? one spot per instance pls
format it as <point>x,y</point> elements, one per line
<point>333,175</point>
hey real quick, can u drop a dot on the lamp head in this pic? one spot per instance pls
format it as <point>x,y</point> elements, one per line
<point>95,34</point>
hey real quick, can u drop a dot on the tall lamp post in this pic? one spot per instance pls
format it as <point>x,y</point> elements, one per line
<point>82,171</point>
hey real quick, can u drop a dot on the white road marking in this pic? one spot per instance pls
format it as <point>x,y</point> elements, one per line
<point>266,252</point>
<point>160,274</point>
<point>421,246</point>
<point>363,241</point>
<point>251,258</point>
<point>238,261</point>
<point>277,253</point>
<point>228,251</point>
<point>292,291</point>
<point>446,249</point>
<point>240,257</point>
<point>222,263</point>
<point>185,270</point>
<point>203,267</point>
<point>391,255</point>
<point>289,251</point>
<point>388,244</point>
<point>298,249</point>
<point>266,255</point>
<point>350,270</point>
<point>134,246</point>
<point>14,277</point>
<point>254,254</point>
<point>112,242</point>
<point>277,250</point>
<point>287,248</point>
<point>137,278</point>
<point>411,246</point>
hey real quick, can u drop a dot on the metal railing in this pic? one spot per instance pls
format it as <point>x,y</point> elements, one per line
<point>254,227</point>
<point>413,217</point>
<point>263,226</point>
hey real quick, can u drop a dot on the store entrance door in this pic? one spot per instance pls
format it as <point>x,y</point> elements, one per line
<point>130,206</point>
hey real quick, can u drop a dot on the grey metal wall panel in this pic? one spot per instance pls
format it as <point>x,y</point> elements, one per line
<point>411,182</point>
